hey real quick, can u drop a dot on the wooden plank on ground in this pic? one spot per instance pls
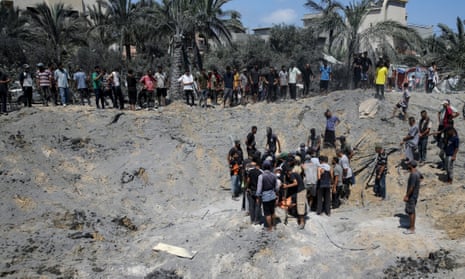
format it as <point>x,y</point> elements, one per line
<point>174,250</point>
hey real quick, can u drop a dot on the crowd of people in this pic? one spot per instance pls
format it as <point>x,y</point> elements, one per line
<point>297,181</point>
<point>54,83</point>
<point>304,180</point>
<point>236,87</point>
<point>233,87</point>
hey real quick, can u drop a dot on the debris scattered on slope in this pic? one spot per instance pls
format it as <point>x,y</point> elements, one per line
<point>116,118</point>
<point>163,274</point>
<point>125,222</point>
<point>439,261</point>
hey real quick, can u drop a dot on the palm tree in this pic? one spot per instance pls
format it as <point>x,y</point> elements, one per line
<point>124,18</point>
<point>344,26</point>
<point>183,20</point>
<point>451,50</point>
<point>58,25</point>
<point>13,36</point>
<point>99,23</point>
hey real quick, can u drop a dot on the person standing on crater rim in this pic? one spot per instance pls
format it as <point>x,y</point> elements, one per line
<point>4,80</point>
<point>380,79</point>
<point>411,196</point>
<point>325,77</point>
<point>330,132</point>
<point>25,79</point>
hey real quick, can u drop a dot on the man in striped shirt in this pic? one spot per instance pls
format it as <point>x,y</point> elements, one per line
<point>43,80</point>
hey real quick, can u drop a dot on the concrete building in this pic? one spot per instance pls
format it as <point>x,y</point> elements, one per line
<point>77,5</point>
<point>380,11</point>
<point>262,32</point>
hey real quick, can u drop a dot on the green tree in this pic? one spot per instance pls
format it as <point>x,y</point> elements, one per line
<point>183,21</point>
<point>343,24</point>
<point>124,19</point>
<point>451,47</point>
<point>58,25</point>
<point>98,21</point>
<point>13,36</point>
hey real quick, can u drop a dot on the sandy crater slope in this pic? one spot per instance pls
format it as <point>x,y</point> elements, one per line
<point>84,198</point>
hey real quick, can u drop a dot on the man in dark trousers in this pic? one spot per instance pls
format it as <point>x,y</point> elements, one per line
<point>253,172</point>
<point>411,196</point>
<point>307,75</point>
<point>267,187</point>
<point>4,80</point>
<point>251,143</point>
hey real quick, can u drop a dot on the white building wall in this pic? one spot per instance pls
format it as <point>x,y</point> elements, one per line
<point>75,4</point>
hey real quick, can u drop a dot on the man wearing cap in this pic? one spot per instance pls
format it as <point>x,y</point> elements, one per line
<point>380,171</point>
<point>25,79</point>
<point>267,187</point>
<point>411,196</point>
<point>44,81</point>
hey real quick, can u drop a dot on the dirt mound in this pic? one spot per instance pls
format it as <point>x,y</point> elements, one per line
<point>87,193</point>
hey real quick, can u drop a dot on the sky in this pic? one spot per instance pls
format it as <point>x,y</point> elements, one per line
<point>265,13</point>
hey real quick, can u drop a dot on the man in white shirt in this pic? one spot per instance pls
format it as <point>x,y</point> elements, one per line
<point>118,94</point>
<point>283,82</point>
<point>161,78</point>
<point>187,81</point>
<point>294,73</point>
<point>25,79</point>
<point>347,173</point>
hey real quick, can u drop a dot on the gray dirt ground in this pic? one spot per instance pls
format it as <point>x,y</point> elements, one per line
<point>68,178</point>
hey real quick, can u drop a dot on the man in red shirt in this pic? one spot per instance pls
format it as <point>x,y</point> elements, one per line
<point>149,83</point>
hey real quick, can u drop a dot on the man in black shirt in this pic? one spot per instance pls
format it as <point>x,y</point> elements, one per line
<point>272,142</point>
<point>272,81</point>
<point>296,182</point>
<point>250,142</point>
<point>4,80</point>
<point>253,172</point>
<point>307,75</point>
